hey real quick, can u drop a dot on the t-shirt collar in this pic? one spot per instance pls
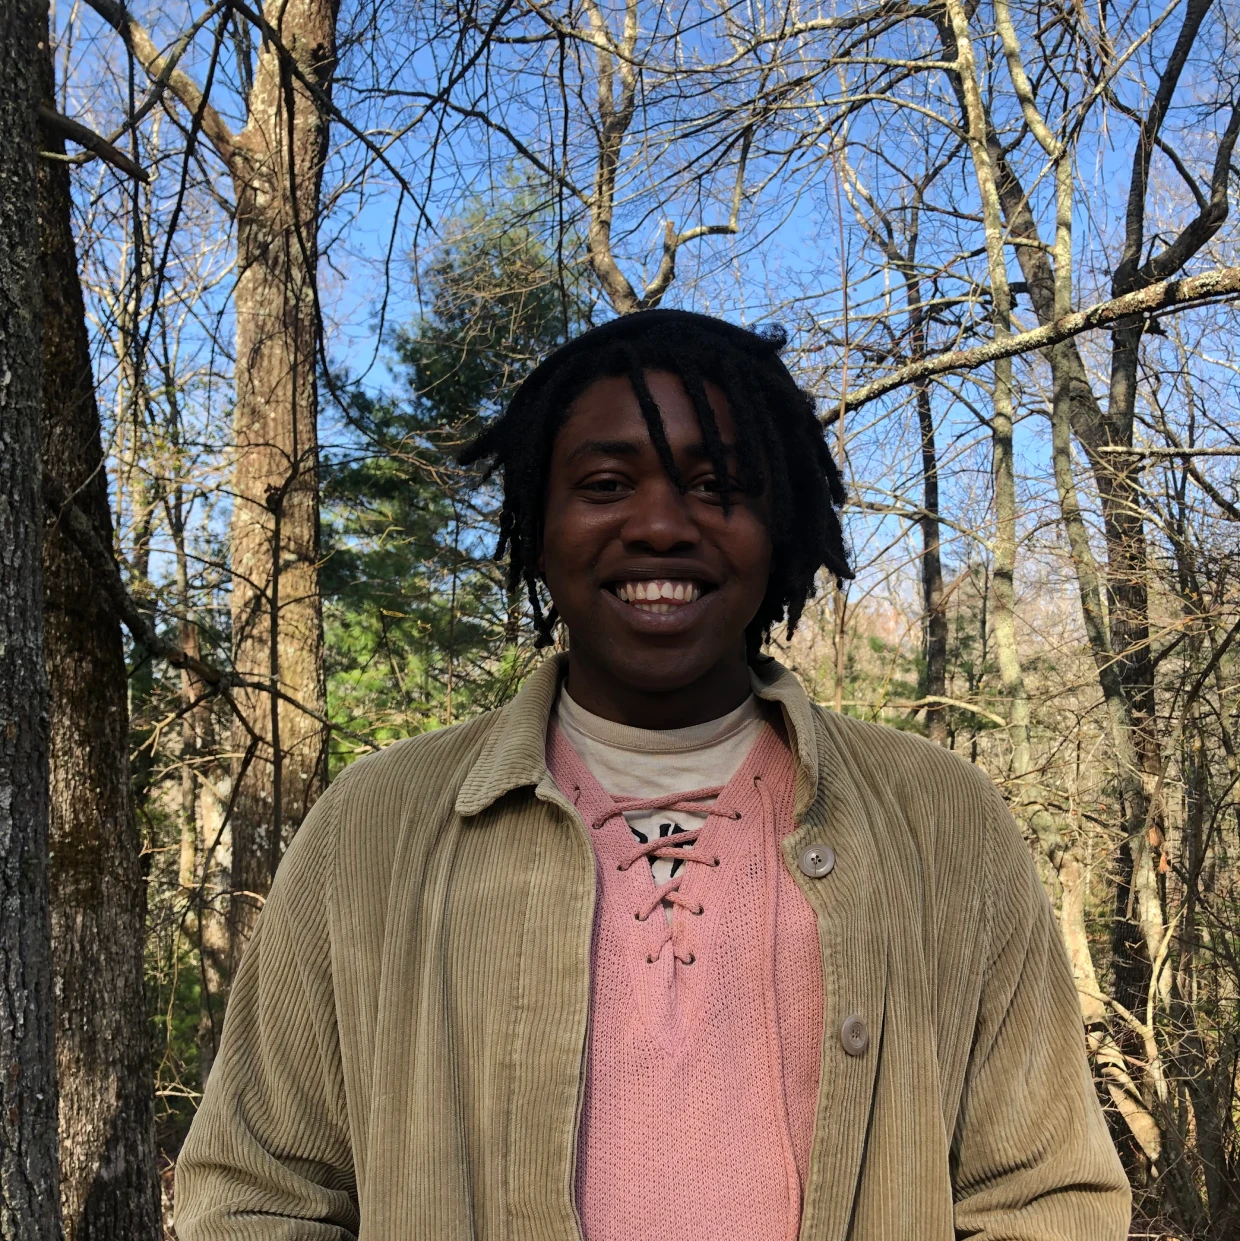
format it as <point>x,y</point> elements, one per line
<point>514,754</point>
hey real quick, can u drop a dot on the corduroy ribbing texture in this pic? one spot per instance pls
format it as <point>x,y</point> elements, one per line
<point>702,1070</point>
<point>404,1052</point>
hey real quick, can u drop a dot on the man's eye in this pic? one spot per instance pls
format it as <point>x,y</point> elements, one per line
<point>603,486</point>
<point>711,486</point>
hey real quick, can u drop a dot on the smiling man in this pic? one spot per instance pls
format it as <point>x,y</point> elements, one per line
<point>660,949</point>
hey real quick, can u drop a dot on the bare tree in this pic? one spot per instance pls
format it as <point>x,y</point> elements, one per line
<point>620,161</point>
<point>900,251</point>
<point>276,166</point>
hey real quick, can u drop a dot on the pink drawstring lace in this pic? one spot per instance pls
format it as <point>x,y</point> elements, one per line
<point>672,848</point>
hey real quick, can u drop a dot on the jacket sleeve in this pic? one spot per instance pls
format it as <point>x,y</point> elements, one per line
<point>1033,1158</point>
<point>269,1155</point>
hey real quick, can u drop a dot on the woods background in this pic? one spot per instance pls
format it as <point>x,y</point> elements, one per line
<point>283,261</point>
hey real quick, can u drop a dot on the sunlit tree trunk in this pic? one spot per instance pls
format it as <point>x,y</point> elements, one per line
<point>956,33</point>
<point>1049,279</point>
<point>276,603</point>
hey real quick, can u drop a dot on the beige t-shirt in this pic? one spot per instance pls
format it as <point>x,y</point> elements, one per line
<point>644,762</point>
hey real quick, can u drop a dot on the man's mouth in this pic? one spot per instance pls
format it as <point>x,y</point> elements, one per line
<point>658,594</point>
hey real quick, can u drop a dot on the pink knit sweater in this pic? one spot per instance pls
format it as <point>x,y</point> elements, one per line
<point>705,1035</point>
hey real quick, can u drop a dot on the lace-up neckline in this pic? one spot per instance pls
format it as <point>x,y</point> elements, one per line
<point>689,902</point>
<point>676,848</point>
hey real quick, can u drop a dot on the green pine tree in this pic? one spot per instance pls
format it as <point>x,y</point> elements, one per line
<point>421,630</point>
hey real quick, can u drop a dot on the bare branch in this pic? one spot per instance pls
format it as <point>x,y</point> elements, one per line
<point>126,608</point>
<point>131,615</point>
<point>673,240</point>
<point>75,131</point>
<point>1168,452</point>
<point>179,82</point>
<point>1166,295</point>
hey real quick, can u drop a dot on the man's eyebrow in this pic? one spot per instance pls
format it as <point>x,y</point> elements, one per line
<point>699,451</point>
<point>604,448</point>
<point>630,448</point>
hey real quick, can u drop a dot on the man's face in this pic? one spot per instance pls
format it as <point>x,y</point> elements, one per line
<point>656,586</point>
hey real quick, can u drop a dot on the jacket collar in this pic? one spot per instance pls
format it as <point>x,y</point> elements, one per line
<point>514,753</point>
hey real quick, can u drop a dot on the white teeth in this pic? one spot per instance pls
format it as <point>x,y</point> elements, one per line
<point>658,595</point>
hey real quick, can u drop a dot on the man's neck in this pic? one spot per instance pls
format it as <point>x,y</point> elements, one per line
<point>721,690</point>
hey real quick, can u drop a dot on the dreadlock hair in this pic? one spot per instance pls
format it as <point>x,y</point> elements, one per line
<point>779,445</point>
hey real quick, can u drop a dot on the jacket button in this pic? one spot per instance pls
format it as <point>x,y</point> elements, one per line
<point>854,1036</point>
<point>817,861</point>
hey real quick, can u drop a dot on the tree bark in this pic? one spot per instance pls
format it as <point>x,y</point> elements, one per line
<point>276,603</point>
<point>108,1184</point>
<point>29,1189</point>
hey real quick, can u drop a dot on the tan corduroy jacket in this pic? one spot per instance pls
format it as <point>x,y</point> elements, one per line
<point>403,1054</point>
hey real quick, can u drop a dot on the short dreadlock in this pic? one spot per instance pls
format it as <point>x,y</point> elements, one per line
<point>779,443</point>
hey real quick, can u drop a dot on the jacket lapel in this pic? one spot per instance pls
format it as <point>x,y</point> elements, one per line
<point>833,809</point>
<point>542,1067</point>
<point>514,754</point>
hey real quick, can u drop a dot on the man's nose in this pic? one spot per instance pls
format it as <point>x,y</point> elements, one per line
<point>659,519</point>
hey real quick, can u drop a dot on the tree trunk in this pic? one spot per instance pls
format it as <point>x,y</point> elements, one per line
<point>935,612</point>
<point>29,1189</point>
<point>1106,1053</point>
<point>202,820</point>
<point>211,929</point>
<point>108,1185</point>
<point>1130,963</point>
<point>988,177</point>
<point>276,603</point>
<point>196,738</point>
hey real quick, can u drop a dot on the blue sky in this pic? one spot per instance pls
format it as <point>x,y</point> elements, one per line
<point>788,254</point>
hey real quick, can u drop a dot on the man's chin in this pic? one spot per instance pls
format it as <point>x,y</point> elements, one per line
<point>657,672</point>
